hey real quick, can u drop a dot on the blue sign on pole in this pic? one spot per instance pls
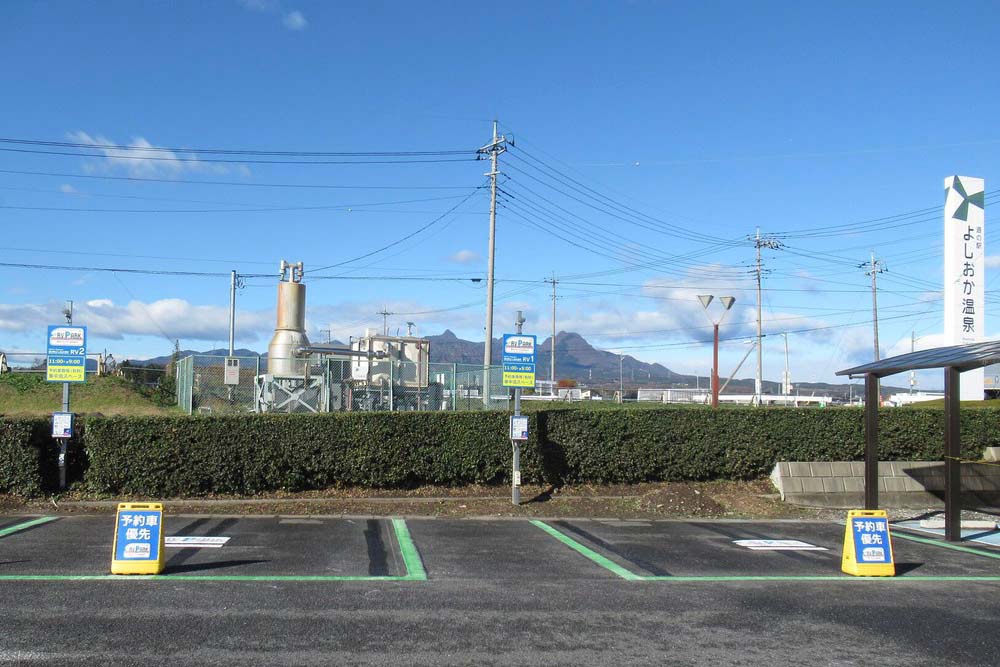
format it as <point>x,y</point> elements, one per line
<point>66,354</point>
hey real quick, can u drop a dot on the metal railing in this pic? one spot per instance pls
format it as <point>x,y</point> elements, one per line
<point>336,384</point>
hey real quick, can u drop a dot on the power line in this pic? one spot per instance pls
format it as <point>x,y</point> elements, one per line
<point>267,209</point>
<point>244,184</point>
<point>151,272</point>
<point>236,161</point>
<point>601,234</point>
<point>604,200</point>
<point>226,151</point>
<point>404,238</point>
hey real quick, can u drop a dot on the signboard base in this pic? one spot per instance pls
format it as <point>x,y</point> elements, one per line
<point>867,545</point>
<point>138,545</point>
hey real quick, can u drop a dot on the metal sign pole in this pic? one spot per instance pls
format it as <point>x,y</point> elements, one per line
<point>68,311</point>
<point>515,488</point>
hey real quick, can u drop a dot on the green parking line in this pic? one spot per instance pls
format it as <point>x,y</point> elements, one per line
<point>27,524</point>
<point>606,563</point>
<point>946,545</point>
<point>411,557</point>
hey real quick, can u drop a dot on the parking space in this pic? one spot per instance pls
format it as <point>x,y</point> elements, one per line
<point>303,548</point>
<point>496,550</point>
<point>251,547</point>
<point>712,550</point>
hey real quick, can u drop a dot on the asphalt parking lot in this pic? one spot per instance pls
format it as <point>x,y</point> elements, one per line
<point>334,590</point>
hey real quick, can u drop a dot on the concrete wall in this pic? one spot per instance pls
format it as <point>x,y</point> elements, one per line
<point>901,483</point>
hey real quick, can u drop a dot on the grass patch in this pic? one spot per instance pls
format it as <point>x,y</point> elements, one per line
<point>28,394</point>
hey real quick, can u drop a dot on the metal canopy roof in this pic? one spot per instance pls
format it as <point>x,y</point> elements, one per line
<point>962,357</point>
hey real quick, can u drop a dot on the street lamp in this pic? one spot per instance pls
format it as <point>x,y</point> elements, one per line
<point>727,302</point>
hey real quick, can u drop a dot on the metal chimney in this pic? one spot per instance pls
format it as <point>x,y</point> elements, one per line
<point>290,333</point>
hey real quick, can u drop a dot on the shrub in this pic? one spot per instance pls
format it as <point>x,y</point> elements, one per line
<point>248,454</point>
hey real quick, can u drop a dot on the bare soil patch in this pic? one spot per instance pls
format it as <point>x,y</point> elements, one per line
<point>748,500</point>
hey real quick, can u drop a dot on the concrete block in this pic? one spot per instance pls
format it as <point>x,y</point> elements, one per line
<point>858,468</point>
<point>821,469</point>
<point>833,484</point>
<point>799,470</point>
<point>973,483</point>
<point>854,484</point>
<point>886,469</point>
<point>991,453</point>
<point>812,485</point>
<point>933,482</point>
<point>791,485</point>
<point>782,469</point>
<point>895,484</point>
<point>842,469</point>
<point>910,484</point>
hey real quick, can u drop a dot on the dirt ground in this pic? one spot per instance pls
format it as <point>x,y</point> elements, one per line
<point>668,500</point>
<point>681,500</point>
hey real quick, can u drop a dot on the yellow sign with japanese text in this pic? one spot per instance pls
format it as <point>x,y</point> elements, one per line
<point>518,379</point>
<point>867,545</point>
<point>138,539</point>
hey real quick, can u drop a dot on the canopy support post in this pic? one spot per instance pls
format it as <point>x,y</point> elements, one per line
<point>871,441</point>
<point>952,456</point>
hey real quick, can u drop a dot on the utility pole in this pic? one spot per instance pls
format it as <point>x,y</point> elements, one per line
<point>913,374</point>
<point>761,242</point>
<point>621,379</point>
<point>875,267</point>
<point>385,320</point>
<point>552,369</point>
<point>786,385</point>
<point>494,149</point>
<point>232,313</point>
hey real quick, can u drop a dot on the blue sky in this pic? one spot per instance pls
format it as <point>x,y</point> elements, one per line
<point>657,134</point>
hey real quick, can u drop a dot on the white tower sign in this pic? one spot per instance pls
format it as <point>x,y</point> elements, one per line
<point>965,271</point>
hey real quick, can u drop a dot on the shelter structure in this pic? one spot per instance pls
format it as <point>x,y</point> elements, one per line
<point>954,360</point>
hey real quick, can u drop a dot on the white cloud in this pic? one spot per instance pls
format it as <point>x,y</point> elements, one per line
<point>291,19</point>
<point>465,257</point>
<point>140,158</point>
<point>176,318</point>
<point>924,342</point>
<point>294,20</point>
<point>68,189</point>
<point>259,5</point>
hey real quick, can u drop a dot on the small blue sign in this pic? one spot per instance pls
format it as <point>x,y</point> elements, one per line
<point>137,536</point>
<point>871,540</point>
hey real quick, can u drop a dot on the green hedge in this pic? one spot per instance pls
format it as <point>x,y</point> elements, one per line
<point>29,457</point>
<point>174,456</point>
<point>165,456</point>
<point>20,458</point>
<point>694,444</point>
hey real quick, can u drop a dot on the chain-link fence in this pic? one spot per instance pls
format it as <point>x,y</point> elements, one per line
<point>34,362</point>
<point>209,384</point>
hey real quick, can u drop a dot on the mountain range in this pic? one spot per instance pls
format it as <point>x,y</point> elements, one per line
<point>576,359</point>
